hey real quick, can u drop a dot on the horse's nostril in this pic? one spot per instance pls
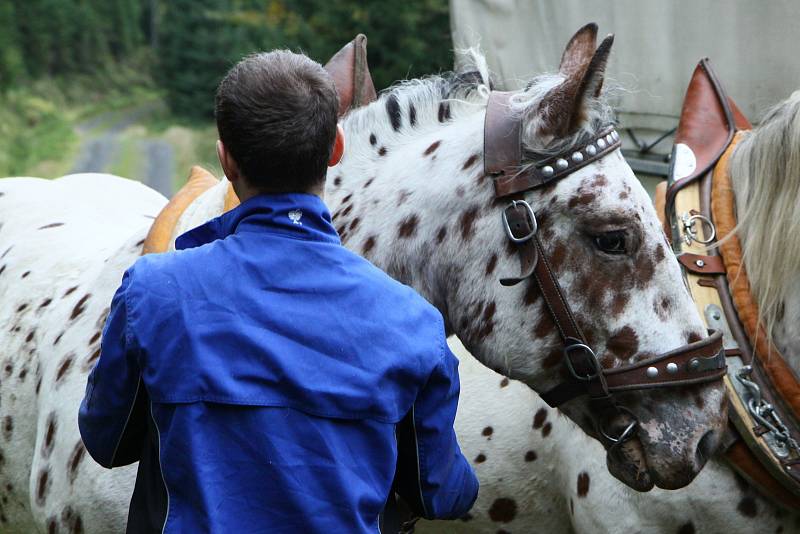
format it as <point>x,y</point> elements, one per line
<point>705,448</point>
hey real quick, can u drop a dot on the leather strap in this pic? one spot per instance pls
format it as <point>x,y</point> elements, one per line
<point>502,146</point>
<point>700,264</point>
<point>558,167</point>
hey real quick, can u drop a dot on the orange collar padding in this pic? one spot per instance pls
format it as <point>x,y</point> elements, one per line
<point>723,209</point>
<point>200,180</point>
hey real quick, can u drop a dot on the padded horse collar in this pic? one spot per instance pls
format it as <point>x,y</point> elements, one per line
<point>695,363</point>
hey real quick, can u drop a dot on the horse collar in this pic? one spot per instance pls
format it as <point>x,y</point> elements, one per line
<point>699,362</point>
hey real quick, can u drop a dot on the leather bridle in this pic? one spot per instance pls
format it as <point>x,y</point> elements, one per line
<point>696,363</point>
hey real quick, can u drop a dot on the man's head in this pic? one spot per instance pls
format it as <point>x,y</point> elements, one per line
<point>276,116</point>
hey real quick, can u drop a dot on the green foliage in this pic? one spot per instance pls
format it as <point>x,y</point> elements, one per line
<point>39,128</point>
<point>406,39</point>
<point>194,42</point>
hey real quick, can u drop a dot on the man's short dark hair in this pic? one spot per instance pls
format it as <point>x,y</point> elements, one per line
<point>276,114</point>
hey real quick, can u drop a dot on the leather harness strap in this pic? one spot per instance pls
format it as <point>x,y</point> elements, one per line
<point>699,362</point>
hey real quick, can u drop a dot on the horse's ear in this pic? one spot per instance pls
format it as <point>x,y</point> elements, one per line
<point>563,109</point>
<point>579,51</point>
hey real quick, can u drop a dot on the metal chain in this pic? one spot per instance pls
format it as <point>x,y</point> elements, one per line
<point>765,414</point>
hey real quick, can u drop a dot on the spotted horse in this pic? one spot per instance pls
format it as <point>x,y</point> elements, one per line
<point>413,195</point>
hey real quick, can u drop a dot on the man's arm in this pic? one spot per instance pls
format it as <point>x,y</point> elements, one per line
<point>113,414</point>
<point>433,477</point>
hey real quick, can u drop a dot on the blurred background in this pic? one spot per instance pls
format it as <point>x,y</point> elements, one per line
<point>126,86</point>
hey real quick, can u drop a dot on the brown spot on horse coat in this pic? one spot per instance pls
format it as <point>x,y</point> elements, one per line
<point>8,427</point>
<point>382,151</point>
<point>619,300</point>
<point>402,196</point>
<point>25,274</point>
<point>503,510</point>
<point>488,431</point>
<point>480,458</point>
<point>80,307</point>
<point>412,115</point>
<point>692,337</point>
<point>45,303</point>
<point>51,225</point>
<point>624,343</point>
<point>659,253</point>
<point>747,507</point>
<point>94,338</point>
<point>583,484</point>
<point>354,223</point>
<point>337,181</point>
<point>43,483</point>
<point>69,291</point>
<point>22,308</point>
<point>546,429</point>
<point>544,326</point>
<point>372,139</point>
<point>368,183</point>
<point>408,227</point>
<point>431,149</point>
<point>441,234</point>
<point>444,112</point>
<point>58,338</point>
<point>491,264</point>
<point>504,382</point>
<point>393,110</point>
<point>539,418</point>
<point>467,222</point>
<point>470,162</point>
<point>49,435</point>
<point>368,245</point>
<point>65,365</point>
<point>75,459</point>
<point>531,456</point>
<point>87,366</point>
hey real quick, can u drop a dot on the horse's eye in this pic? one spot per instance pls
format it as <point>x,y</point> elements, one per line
<point>611,242</point>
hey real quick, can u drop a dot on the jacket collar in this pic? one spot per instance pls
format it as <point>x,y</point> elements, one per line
<point>295,215</point>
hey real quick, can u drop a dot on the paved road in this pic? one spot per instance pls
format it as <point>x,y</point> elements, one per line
<point>100,148</point>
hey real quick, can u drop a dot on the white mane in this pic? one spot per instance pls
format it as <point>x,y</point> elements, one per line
<point>449,97</point>
<point>765,173</point>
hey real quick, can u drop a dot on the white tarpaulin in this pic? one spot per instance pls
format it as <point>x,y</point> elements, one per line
<point>752,45</point>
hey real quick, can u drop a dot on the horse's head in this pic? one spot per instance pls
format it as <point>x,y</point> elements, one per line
<point>412,196</point>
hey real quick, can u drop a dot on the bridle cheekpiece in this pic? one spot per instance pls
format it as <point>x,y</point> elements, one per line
<point>699,362</point>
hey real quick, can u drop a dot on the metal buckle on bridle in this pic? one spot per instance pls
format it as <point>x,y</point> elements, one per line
<point>625,435</point>
<point>689,232</point>
<point>591,358</point>
<point>531,221</point>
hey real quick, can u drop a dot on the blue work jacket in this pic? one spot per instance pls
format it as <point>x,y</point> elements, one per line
<point>269,380</point>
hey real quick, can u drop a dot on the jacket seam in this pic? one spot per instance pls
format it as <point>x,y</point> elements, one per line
<point>127,420</point>
<point>419,455</point>
<point>256,402</point>
<point>161,470</point>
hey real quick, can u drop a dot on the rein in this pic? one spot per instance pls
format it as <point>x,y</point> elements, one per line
<point>695,363</point>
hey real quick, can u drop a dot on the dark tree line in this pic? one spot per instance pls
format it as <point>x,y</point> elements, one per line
<point>193,42</point>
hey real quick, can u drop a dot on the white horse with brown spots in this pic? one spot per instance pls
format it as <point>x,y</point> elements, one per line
<point>412,196</point>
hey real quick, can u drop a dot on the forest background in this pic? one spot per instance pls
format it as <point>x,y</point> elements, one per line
<point>127,86</point>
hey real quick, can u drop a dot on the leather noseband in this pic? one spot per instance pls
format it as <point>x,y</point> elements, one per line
<point>695,363</point>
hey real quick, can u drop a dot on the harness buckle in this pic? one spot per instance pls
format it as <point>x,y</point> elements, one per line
<point>690,233</point>
<point>531,220</point>
<point>591,358</point>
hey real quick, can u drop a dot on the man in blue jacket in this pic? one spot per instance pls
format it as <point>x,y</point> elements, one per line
<point>266,378</point>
